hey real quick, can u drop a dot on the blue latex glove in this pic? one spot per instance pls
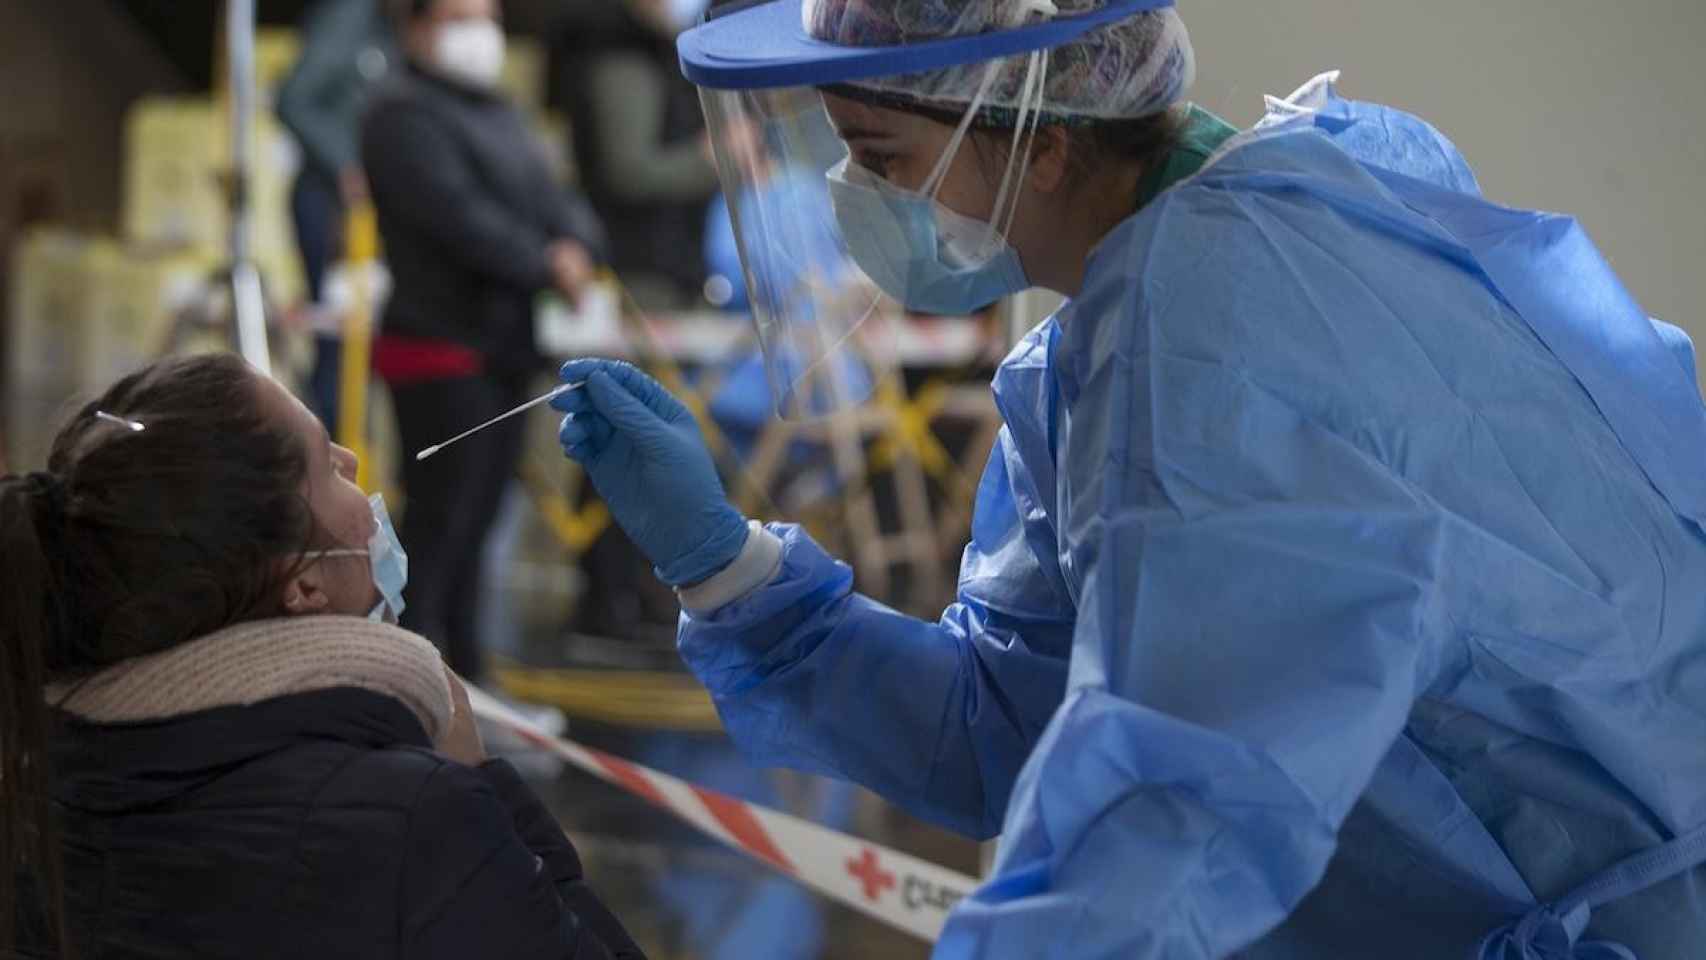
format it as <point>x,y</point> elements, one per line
<point>644,453</point>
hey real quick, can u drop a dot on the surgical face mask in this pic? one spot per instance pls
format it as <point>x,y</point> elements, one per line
<point>386,560</point>
<point>470,51</point>
<point>919,251</point>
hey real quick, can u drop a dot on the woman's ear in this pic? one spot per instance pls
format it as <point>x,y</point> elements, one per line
<point>305,593</point>
<point>1051,158</point>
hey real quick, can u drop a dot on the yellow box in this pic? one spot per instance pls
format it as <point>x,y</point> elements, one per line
<point>136,298</point>
<point>174,152</point>
<point>46,338</point>
<point>177,153</point>
<point>50,270</point>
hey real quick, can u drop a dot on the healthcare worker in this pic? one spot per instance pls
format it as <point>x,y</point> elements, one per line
<point>1337,588</point>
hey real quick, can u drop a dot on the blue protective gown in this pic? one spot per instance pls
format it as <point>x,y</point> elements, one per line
<point>1337,587</point>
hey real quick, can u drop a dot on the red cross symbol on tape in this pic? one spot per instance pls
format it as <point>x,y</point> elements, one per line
<point>870,874</point>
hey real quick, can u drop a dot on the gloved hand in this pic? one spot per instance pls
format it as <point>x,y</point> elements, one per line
<point>644,453</point>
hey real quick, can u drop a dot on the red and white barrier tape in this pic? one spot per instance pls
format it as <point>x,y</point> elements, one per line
<point>899,889</point>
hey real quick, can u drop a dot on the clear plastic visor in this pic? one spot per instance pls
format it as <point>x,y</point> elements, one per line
<point>826,331</point>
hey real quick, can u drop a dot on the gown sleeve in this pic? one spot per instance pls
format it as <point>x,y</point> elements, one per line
<point>935,716</point>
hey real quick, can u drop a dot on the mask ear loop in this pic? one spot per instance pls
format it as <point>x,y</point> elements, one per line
<point>933,182</point>
<point>1030,143</point>
<point>1029,104</point>
<point>1030,107</point>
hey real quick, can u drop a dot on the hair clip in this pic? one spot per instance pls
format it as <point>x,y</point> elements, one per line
<point>131,425</point>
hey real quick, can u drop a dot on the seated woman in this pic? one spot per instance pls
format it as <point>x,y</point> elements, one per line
<point>213,742</point>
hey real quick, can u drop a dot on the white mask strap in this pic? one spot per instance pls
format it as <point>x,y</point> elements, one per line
<point>1030,143</point>
<point>1021,13</point>
<point>934,181</point>
<point>1030,107</point>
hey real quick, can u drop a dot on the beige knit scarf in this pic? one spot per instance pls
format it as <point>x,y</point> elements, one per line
<point>252,662</point>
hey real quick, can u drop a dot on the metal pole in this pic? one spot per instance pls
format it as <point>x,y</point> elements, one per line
<point>247,304</point>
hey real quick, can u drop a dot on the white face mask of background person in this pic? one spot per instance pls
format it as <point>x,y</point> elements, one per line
<point>470,51</point>
<point>685,13</point>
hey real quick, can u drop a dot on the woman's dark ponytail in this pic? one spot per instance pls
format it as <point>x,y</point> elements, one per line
<point>32,513</point>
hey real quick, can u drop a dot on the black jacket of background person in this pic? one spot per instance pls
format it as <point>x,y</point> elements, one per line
<point>312,825</point>
<point>660,235</point>
<point>467,205</point>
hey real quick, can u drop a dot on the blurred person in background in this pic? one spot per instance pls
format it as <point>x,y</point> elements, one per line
<point>347,48</point>
<point>640,142</point>
<point>213,740</point>
<point>475,228</point>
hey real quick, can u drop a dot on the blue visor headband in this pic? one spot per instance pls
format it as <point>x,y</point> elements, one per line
<point>765,46</point>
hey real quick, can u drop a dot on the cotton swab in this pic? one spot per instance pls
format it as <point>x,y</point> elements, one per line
<point>536,401</point>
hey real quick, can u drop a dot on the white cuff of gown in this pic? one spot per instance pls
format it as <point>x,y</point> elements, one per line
<point>756,565</point>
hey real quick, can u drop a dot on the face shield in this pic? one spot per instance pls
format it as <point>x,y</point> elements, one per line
<point>832,254</point>
<point>822,325</point>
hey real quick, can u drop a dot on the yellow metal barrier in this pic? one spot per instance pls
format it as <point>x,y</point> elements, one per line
<point>749,494</point>
<point>914,433</point>
<point>575,529</point>
<point>361,250</point>
<point>649,699</point>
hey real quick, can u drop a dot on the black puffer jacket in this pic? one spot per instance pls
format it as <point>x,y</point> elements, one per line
<point>467,207</point>
<point>313,825</point>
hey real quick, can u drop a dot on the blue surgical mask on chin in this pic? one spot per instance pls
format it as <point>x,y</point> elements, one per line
<point>920,252</point>
<point>386,560</point>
